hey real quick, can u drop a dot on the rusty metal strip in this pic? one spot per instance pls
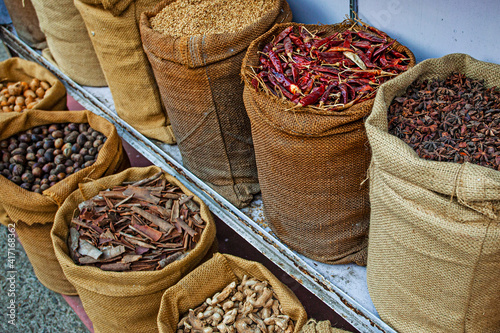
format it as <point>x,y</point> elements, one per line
<point>337,299</point>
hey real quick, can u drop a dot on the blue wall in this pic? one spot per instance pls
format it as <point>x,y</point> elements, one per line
<point>430,28</point>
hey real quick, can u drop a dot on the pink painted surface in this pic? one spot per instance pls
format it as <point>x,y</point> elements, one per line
<point>76,305</point>
<point>74,105</point>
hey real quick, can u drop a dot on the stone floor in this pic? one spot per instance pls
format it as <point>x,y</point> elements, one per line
<point>37,308</point>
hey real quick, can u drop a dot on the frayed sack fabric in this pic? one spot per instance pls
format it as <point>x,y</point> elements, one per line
<point>311,167</point>
<point>213,276</point>
<point>201,88</point>
<point>312,326</point>
<point>25,21</point>
<point>114,27</point>
<point>34,213</point>
<point>124,301</point>
<point>434,254</point>
<point>69,44</point>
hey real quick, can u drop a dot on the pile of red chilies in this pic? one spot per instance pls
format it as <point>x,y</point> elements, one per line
<point>328,73</point>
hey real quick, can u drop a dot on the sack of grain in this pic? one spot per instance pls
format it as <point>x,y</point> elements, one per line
<point>434,254</point>
<point>33,212</point>
<point>26,23</point>
<point>197,70</point>
<point>311,165</point>
<point>114,27</point>
<point>212,277</point>
<point>124,301</point>
<point>69,44</point>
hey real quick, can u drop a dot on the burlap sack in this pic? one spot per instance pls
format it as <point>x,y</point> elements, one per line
<point>124,301</point>
<point>69,44</point>
<point>311,167</point>
<point>434,254</point>
<point>26,23</point>
<point>212,277</point>
<point>17,69</point>
<point>114,26</point>
<point>201,89</point>
<point>312,326</point>
<point>34,213</point>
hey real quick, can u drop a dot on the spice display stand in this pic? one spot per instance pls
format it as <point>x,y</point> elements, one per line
<point>341,287</point>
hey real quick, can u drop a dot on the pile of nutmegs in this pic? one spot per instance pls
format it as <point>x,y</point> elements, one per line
<point>42,156</point>
<point>17,96</point>
<point>250,306</point>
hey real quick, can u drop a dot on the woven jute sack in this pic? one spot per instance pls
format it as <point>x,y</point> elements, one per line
<point>213,276</point>
<point>313,326</point>
<point>25,21</point>
<point>311,166</point>
<point>201,89</point>
<point>70,47</point>
<point>124,301</point>
<point>434,254</point>
<point>34,213</point>
<point>17,69</point>
<point>114,27</point>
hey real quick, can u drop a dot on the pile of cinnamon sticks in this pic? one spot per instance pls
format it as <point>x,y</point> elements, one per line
<point>139,226</point>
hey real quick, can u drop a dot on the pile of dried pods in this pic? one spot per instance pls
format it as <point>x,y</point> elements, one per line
<point>17,96</point>
<point>453,120</point>
<point>251,306</point>
<point>331,72</point>
<point>140,226</point>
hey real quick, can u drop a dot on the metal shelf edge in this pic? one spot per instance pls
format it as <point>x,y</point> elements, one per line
<point>268,245</point>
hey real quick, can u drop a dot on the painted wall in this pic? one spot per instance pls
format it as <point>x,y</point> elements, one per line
<point>430,28</point>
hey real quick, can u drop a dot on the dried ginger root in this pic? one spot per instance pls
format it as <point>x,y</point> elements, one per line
<point>249,307</point>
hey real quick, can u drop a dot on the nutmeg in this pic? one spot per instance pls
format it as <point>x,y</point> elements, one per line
<point>40,157</point>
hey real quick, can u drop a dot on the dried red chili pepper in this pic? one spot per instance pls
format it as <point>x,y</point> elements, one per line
<point>325,69</point>
<point>282,35</point>
<point>371,37</point>
<point>289,85</point>
<point>347,39</point>
<point>362,44</point>
<point>327,92</point>
<point>301,61</point>
<point>275,82</point>
<point>326,40</point>
<point>295,72</point>
<point>275,61</point>
<point>339,49</point>
<point>313,96</point>
<point>309,85</point>
<point>344,93</point>
<point>383,48</point>
<point>298,42</point>
<point>365,59</point>
<point>287,42</point>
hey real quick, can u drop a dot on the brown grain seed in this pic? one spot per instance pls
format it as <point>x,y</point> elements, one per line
<point>197,17</point>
